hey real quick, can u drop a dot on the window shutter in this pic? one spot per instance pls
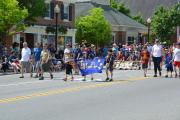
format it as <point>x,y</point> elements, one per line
<point>70,12</point>
<point>62,11</point>
<point>52,5</point>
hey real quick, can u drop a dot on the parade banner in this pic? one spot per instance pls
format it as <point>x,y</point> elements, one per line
<point>88,66</point>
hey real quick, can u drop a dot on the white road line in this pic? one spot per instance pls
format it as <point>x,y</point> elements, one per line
<point>25,83</point>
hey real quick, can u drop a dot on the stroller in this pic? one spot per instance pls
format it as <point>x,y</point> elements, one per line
<point>58,64</point>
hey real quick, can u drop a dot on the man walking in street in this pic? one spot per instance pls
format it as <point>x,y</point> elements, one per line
<point>176,58</point>
<point>37,55</point>
<point>157,53</point>
<point>25,57</point>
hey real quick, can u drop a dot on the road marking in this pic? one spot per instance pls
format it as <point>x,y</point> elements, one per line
<point>138,78</point>
<point>34,82</point>
<point>58,91</point>
<point>24,83</point>
<point>66,90</point>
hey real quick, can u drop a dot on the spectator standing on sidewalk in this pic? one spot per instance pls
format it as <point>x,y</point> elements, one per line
<point>4,64</point>
<point>176,58</point>
<point>14,62</point>
<point>157,54</point>
<point>37,55</point>
<point>25,57</point>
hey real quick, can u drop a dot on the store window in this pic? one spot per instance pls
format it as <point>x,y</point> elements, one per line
<point>47,13</point>
<point>66,11</point>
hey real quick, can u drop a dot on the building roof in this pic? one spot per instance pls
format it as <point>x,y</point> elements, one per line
<point>114,17</point>
<point>144,7</point>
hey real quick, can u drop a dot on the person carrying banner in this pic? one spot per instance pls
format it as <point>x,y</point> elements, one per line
<point>109,64</point>
<point>77,54</point>
<point>91,55</point>
<point>68,62</point>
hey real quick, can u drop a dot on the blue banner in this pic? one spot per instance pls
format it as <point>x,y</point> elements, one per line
<point>88,66</point>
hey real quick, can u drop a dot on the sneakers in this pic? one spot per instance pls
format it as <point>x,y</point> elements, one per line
<point>21,77</point>
<point>155,75</point>
<point>51,76</point>
<point>110,80</point>
<point>176,75</point>
<point>65,79</point>
<point>160,73</point>
<point>72,79</point>
<point>36,76</point>
<point>107,79</point>
<point>31,75</point>
<point>41,78</point>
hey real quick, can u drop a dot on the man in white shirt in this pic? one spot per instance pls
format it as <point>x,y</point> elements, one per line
<point>25,57</point>
<point>157,53</point>
<point>176,58</point>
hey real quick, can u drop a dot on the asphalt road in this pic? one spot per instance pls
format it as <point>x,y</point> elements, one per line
<point>129,97</point>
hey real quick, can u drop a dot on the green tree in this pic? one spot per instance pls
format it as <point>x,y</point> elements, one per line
<point>35,8</point>
<point>164,22</point>
<point>11,16</point>
<point>121,7</point>
<point>175,14</point>
<point>94,28</point>
<point>139,19</point>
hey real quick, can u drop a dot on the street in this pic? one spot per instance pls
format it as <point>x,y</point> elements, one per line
<point>129,97</point>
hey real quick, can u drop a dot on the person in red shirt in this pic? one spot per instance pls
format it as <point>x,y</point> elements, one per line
<point>145,56</point>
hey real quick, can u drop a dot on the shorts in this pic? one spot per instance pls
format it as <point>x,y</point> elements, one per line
<point>177,64</point>
<point>109,67</point>
<point>37,65</point>
<point>169,69</point>
<point>25,64</point>
<point>68,69</point>
<point>46,66</point>
<point>144,66</point>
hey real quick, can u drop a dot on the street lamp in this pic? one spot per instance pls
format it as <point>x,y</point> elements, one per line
<point>57,11</point>
<point>149,23</point>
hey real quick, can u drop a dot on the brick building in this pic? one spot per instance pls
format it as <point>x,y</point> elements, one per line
<point>38,31</point>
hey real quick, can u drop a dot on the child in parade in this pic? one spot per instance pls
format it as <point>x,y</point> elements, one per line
<point>68,62</point>
<point>168,62</point>
<point>110,58</point>
<point>176,58</point>
<point>145,55</point>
